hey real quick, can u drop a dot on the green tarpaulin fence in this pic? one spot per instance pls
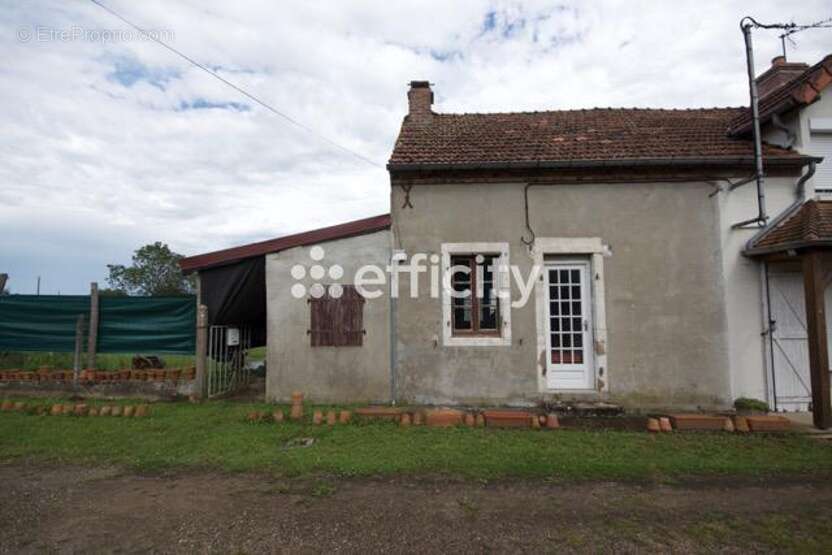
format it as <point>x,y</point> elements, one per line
<point>40,322</point>
<point>126,324</point>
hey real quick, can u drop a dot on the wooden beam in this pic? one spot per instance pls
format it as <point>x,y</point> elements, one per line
<point>92,339</point>
<point>814,287</point>
<point>201,351</point>
<point>79,340</point>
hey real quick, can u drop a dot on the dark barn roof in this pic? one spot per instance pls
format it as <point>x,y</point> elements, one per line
<point>235,254</point>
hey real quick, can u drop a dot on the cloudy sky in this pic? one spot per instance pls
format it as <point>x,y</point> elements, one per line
<point>110,142</point>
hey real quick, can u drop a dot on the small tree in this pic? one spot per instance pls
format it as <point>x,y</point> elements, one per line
<point>155,271</point>
<point>107,292</point>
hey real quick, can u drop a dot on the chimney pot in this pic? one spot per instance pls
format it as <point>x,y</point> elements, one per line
<point>778,61</point>
<point>420,100</point>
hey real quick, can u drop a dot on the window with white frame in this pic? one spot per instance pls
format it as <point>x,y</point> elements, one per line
<point>475,294</point>
<point>821,145</point>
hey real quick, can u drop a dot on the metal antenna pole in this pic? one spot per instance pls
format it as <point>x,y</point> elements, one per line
<point>755,116</point>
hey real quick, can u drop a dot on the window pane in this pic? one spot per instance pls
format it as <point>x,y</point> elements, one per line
<point>554,293</point>
<point>576,308</point>
<point>566,326</point>
<point>488,317</point>
<point>563,276</point>
<point>576,276</point>
<point>577,325</point>
<point>555,324</point>
<point>555,340</point>
<point>567,340</point>
<point>576,292</point>
<point>554,308</point>
<point>462,318</point>
<point>488,292</point>
<point>566,357</point>
<point>578,340</point>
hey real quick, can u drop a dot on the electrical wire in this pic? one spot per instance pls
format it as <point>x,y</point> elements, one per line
<point>790,28</point>
<point>237,88</point>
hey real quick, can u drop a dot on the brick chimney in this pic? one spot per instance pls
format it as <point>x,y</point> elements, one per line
<point>420,99</point>
<point>780,73</point>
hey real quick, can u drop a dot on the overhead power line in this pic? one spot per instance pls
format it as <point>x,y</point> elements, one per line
<point>237,88</point>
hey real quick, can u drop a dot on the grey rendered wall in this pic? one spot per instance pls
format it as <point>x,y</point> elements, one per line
<point>743,290</point>
<point>666,324</point>
<point>327,374</point>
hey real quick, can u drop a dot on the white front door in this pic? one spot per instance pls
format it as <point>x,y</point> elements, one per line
<point>569,362</point>
<point>789,347</point>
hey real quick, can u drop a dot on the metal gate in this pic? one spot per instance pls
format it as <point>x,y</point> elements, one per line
<point>226,369</point>
<point>789,348</point>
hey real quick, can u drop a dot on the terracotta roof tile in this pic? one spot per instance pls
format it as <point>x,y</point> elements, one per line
<point>811,223</point>
<point>800,91</point>
<point>573,136</point>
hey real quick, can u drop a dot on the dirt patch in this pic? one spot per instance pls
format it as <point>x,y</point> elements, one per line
<point>83,509</point>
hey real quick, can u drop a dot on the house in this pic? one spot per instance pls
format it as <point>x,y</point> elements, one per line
<point>573,254</point>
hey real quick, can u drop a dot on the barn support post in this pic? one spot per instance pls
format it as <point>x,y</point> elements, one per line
<point>79,342</point>
<point>814,285</point>
<point>201,350</point>
<point>92,339</point>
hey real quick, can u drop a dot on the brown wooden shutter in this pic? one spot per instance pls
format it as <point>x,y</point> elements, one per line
<point>337,322</point>
<point>351,317</point>
<point>320,322</point>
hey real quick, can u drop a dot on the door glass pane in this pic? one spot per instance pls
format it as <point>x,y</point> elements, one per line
<point>566,316</point>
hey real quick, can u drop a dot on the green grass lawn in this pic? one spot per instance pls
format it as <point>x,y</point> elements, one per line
<point>64,361</point>
<point>216,435</point>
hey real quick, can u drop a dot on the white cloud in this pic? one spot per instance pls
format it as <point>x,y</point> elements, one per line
<point>99,156</point>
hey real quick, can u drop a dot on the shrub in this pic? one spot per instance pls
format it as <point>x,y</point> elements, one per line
<point>746,404</point>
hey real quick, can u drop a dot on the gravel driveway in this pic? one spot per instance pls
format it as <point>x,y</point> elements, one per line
<point>95,509</point>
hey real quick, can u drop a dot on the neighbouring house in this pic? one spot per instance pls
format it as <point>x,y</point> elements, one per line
<point>618,227</point>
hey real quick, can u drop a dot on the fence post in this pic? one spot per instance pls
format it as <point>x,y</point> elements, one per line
<point>201,350</point>
<point>3,278</point>
<point>79,340</point>
<point>92,340</point>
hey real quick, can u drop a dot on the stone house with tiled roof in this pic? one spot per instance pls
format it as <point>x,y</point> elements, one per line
<point>581,254</point>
